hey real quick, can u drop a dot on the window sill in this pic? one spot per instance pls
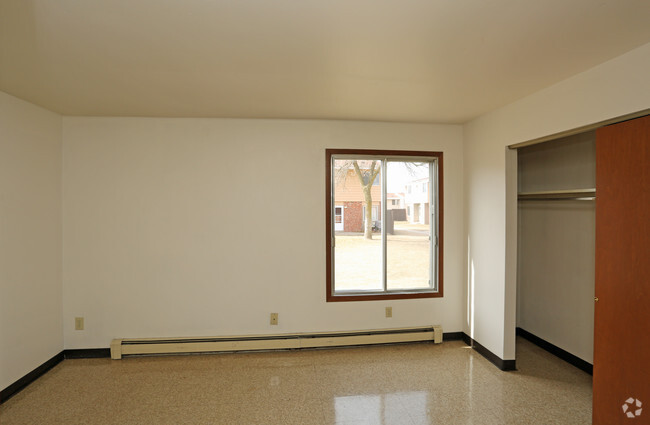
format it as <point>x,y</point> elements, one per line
<point>386,296</point>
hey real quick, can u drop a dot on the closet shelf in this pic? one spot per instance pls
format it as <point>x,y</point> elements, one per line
<point>559,195</point>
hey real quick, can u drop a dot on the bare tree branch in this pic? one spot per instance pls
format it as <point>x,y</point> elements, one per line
<point>358,172</point>
<point>374,171</point>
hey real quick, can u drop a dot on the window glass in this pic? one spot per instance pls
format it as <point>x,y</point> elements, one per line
<point>408,243</point>
<point>357,249</point>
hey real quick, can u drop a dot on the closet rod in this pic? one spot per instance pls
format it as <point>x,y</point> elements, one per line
<point>559,195</point>
<point>573,198</point>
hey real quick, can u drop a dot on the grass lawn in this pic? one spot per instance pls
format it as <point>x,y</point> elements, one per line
<point>358,260</point>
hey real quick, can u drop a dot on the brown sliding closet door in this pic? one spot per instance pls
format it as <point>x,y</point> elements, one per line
<point>622,322</point>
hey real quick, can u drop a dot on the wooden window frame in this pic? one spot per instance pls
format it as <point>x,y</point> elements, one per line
<point>330,295</point>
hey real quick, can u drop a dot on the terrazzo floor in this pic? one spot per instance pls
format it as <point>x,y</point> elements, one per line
<point>409,384</point>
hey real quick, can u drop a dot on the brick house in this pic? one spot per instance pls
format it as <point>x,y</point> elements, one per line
<point>349,202</point>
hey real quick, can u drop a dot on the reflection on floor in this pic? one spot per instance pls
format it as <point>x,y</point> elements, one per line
<point>402,384</point>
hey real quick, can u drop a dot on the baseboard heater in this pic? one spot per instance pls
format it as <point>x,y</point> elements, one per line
<point>153,346</point>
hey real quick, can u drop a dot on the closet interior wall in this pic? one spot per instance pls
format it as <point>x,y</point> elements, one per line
<point>556,244</point>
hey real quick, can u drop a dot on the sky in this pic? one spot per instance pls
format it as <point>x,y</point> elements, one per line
<point>399,174</point>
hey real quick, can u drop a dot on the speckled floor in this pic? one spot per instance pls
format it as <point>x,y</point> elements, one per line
<point>401,384</point>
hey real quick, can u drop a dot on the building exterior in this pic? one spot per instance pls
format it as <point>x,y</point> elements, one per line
<point>395,201</point>
<point>417,200</point>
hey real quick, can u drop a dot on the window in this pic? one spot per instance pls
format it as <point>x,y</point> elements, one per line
<point>378,256</point>
<point>374,215</point>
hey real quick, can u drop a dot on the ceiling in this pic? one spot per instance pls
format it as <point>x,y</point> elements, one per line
<point>444,61</point>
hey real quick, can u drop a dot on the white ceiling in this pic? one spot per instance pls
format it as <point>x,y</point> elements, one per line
<point>441,61</point>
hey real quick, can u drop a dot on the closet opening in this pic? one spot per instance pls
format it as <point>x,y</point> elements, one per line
<point>556,219</point>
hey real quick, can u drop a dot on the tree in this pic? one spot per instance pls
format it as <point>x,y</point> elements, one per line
<point>366,179</point>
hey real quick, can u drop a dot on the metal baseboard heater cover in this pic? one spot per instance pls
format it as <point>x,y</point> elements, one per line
<point>152,346</point>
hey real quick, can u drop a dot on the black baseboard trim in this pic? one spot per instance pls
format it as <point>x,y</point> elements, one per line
<point>87,353</point>
<point>95,353</point>
<point>19,385</point>
<point>557,351</point>
<point>505,365</point>
<point>32,376</point>
<point>467,339</point>
<point>452,336</point>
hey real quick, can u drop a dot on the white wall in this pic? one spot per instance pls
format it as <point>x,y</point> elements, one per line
<point>181,227</point>
<point>30,238</point>
<point>556,245</point>
<point>614,88</point>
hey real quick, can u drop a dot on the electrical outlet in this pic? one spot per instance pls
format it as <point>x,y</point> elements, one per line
<point>389,311</point>
<point>78,323</point>
<point>274,318</point>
